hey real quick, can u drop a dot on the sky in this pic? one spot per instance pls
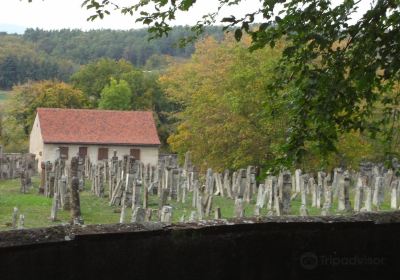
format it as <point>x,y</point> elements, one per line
<point>58,14</point>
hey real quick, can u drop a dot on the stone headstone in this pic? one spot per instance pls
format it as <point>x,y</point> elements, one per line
<point>286,192</point>
<point>138,215</point>
<point>320,188</point>
<point>394,200</point>
<point>166,214</point>
<point>149,214</point>
<point>217,213</point>
<point>261,193</point>
<point>379,193</point>
<point>163,199</point>
<point>359,194</point>
<point>21,221</point>
<point>368,200</point>
<point>14,217</point>
<point>314,191</point>
<point>297,174</point>
<point>54,208</point>
<point>75,200</point>
<point>193,216</point>
<point>343,186</point>
<point>239,208</point>
<point>303,211</point>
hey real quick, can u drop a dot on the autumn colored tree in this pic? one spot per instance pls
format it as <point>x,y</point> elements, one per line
<point>342,63</point>
<point>222,90</point>
<point>20,109</point>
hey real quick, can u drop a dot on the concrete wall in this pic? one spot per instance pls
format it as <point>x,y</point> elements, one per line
<point>36,141</point>
<point>278,249</point>
<point>147,154</point>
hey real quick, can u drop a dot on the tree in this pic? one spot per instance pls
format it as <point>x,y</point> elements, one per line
<point>93,77</point>
<point>21,61</point>
<point>221,92</point>
<point>339,67</point>
<point>8,70</point>
<point>20,110</point>
<point>116,96</point>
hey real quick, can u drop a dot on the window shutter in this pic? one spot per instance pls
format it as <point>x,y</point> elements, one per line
<point>102,154</point>
<point>135,153</point>
<point>82,152</point>
<point>64,152</point>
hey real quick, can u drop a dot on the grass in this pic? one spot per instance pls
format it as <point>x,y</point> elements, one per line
<point>36,208</point>
<point>95,210</point>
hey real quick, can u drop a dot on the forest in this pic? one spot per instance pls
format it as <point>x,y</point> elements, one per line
<point>212,97</point>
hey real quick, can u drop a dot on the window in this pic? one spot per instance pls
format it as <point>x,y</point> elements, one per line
<point>64,152</point>
<point>135,153</point>
<point>82,152</point>
<point>103,153</point>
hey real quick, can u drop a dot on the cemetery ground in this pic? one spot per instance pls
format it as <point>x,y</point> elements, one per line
<point>96,210</point>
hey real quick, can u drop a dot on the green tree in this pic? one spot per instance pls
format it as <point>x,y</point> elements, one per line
<point>116,96</point>
<point>93,77</point>
<point>340,66</point>
<point>19,111</point>
<point>21,61</point>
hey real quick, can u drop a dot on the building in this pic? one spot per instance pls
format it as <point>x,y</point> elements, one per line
<point>94,134</point>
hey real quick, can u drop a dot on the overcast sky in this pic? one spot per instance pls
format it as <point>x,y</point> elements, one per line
<point>57,14</point>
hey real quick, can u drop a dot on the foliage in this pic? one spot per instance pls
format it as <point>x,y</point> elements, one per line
<point>83,47</point>
<point>146,93</point>
<point>20,109</point>
<point>21,61</point>
<point>222,91</point>
<point>93,77</point>
<point>116,96</point>
<point>341,66</point>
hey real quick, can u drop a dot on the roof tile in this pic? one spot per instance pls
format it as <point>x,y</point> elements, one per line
<point>97,126</point>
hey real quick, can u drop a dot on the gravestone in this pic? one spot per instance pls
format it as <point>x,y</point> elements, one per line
<point>394,200</point>
<point>54,208</point>
<point>359,194</point>
<point>14,218</point>
<point>286,192</point>
<point>343,186</point>
<point>239,210</point>
<point>166,214</point>
<point>21,221</point>
<point>379,192</point>
<point>138,215</point>
<point>217,213</point>
<point>75,200</point>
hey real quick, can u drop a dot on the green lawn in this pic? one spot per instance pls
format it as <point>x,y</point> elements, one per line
<point>36,208</point>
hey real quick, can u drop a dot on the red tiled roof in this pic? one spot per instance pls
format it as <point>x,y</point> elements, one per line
<point>97,127</point>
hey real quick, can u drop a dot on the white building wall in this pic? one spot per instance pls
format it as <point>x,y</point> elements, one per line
<point>147,154</point>
<point>36,141</point>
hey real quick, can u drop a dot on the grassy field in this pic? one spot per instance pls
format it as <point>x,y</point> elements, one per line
<point>36,208</point>
<point>3,95</point>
